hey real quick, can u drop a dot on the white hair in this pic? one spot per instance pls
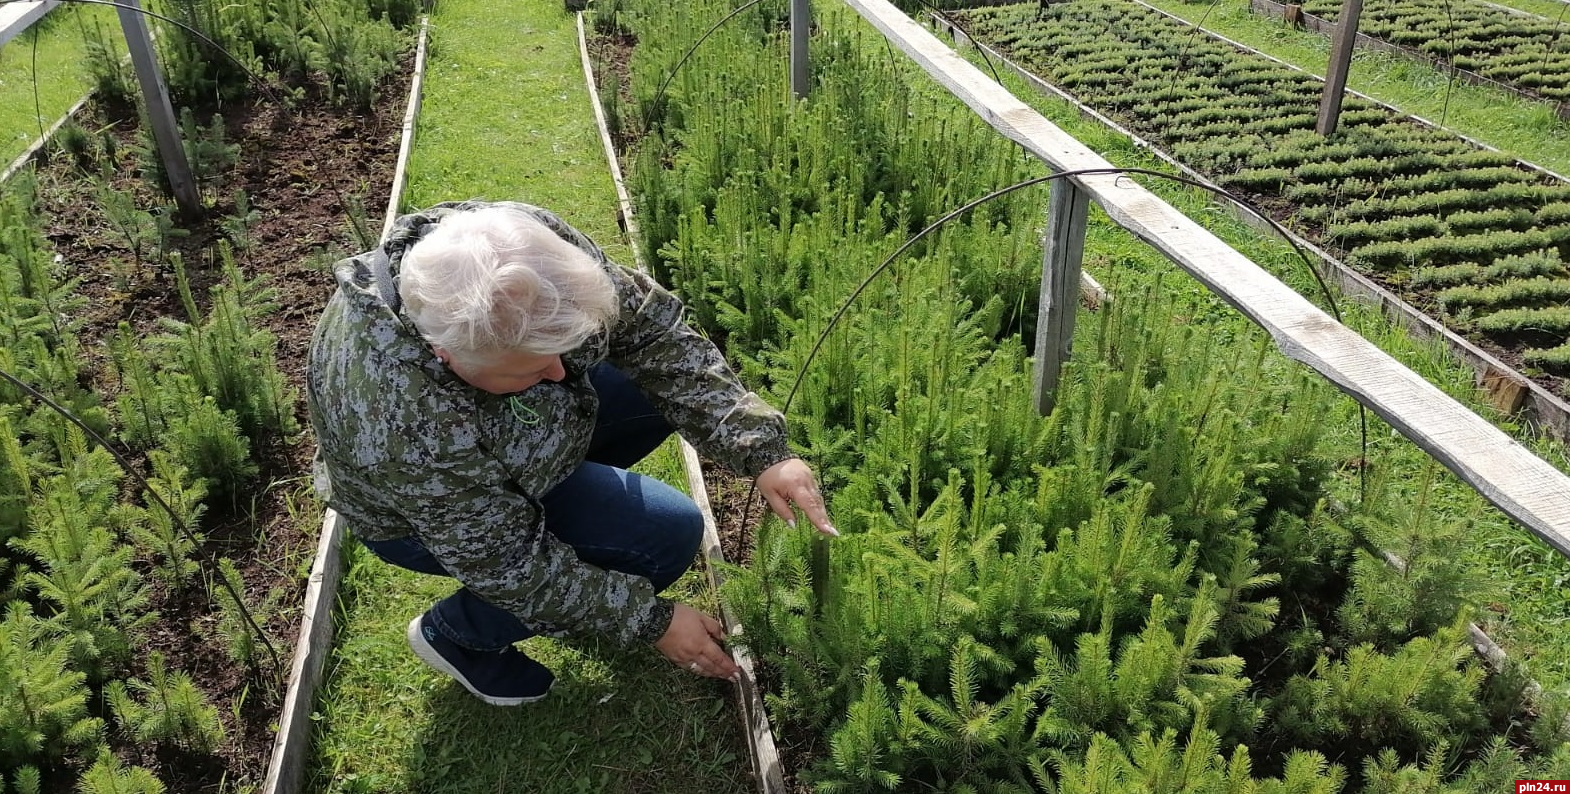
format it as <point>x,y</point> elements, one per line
<point>495,280</point>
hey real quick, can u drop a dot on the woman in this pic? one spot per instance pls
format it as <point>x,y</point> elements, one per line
<point>478,387</point>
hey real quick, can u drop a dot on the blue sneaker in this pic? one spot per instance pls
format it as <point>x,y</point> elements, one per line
<point>507,677</point>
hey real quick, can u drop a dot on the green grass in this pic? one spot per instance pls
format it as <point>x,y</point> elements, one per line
<point>1528,130</point>
<point>1553,9</point>
<point>1523,593</point>
<point>57,45</point>
<point>506,116</point>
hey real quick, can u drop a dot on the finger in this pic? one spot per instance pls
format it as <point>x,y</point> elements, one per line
<point>780,507</point>
<point>718,664</point>
<point>811,504</point>
<point>715,629</point>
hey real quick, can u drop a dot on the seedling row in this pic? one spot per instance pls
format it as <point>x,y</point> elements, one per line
<point>1525,51</point>
<point>1147,590</point>
<point>1390,196</point>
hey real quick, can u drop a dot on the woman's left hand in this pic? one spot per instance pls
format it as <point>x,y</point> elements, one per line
<point>791,482</point>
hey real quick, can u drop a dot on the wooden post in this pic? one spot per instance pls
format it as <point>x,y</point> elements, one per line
<point>1060,270</point>
<point>1340,65</point>
<point>800,23</point>
<point>160,113</point>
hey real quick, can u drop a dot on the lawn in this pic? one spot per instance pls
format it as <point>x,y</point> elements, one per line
<point>43,71</point>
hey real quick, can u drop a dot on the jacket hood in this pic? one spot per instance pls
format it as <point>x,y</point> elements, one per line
<point>370,279</point>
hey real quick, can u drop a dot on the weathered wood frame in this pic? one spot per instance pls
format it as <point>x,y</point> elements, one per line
<point>764,755</point>
<point>1504,471</point>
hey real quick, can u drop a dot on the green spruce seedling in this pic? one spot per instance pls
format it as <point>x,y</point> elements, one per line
<point>167,709</point>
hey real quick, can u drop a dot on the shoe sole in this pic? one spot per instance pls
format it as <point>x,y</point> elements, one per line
<point>427,654</point>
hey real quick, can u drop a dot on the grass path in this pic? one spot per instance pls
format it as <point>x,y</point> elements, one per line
<point>57,46</point>
<point>506,115</point>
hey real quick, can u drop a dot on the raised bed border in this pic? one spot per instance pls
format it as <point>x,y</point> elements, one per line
<point>764,754</point>
<point>1510,392</point>
<point>293,743</point>
<point>1320,25</point>
<point>37,148</point>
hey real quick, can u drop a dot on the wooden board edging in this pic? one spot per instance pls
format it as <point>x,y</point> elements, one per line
<point>766,766</point>
<point>1511,393</point>
<point>624,218</point>
<point>292,745</point>
<point>411,114</point>
<point>37,147</point>
<point>763,753</point>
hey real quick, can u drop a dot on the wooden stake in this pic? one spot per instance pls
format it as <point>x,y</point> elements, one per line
<point>1340,65</point>
<point>1060,273</point>
<point>800,23</point>
<point>160,112</point>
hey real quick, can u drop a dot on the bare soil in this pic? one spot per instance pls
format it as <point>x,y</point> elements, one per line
<point>306,170</point>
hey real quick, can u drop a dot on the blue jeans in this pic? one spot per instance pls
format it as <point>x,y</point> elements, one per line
<point>613,518</point>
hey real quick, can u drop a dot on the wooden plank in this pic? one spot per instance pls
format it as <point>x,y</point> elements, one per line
<point>760,737</point>
<point>766,767</point>
<point>411,115</point>
<point>38,145</point>
<point>17,17</point>
<point>1063,254</point>
<point>625,217</point>
<point>1544,412</point>
<point>292,744</point>
<point>1499,467</point>
<point>1340,67</point>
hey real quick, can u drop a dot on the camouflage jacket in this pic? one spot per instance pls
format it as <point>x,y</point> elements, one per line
<point>406,448</point>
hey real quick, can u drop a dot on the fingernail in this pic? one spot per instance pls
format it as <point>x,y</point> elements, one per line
<point>790,522</point>
<point>830,530</point>
<point>735,678</point>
